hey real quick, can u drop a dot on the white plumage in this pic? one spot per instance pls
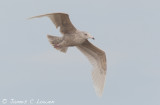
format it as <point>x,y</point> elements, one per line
<point>73,37</point>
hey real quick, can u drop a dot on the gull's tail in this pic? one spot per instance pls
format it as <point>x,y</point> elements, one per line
<point>56,40</point>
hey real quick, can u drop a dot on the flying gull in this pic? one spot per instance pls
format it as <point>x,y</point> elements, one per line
<point>73,37</point>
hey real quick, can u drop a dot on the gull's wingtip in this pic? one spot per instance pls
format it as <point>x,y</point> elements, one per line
<point>29,18</point>
<point>99,79</point>
<point>36,17</point>
<point>33,17</point>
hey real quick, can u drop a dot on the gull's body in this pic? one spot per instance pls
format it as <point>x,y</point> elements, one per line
<point>73,37</point>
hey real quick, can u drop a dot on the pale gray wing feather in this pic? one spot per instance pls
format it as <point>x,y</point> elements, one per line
<point>60,20</point>
<point>97,58</point>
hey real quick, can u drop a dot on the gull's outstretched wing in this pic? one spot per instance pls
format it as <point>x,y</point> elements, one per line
<point>97,58</point>
<point>60,20</point>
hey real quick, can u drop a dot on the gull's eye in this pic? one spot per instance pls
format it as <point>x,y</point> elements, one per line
<point>85,34</point>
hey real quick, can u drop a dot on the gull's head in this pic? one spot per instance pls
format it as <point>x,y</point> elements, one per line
<point>88,36</point>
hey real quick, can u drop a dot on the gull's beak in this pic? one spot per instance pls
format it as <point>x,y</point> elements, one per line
<point>90,36</point>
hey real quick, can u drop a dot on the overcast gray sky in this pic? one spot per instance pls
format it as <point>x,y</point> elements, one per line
<point>127,30</point>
